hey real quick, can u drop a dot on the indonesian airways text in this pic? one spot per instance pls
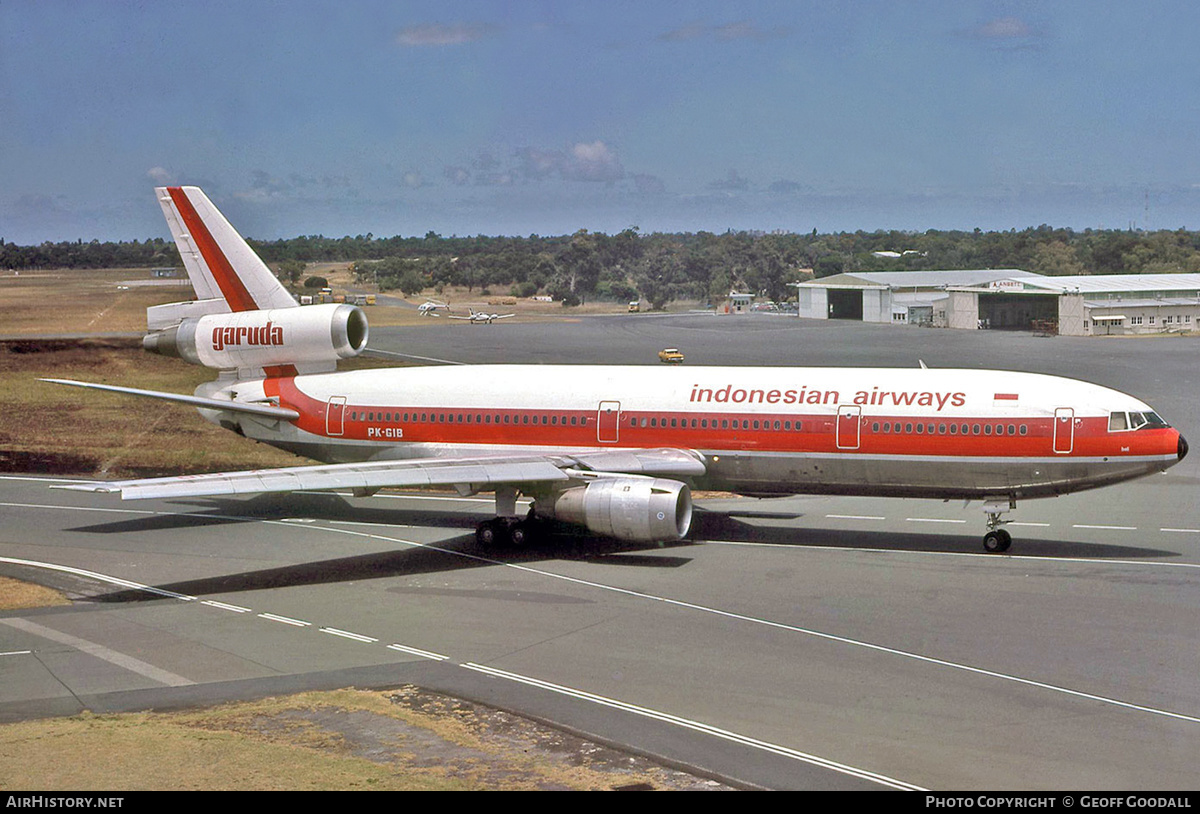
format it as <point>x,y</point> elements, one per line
<point>881,398</point>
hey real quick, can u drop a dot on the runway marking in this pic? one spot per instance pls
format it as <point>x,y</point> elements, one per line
<point>878,648</point>
<point>422,653</point>
<point>286,620</point>
<point>854,517</point>
<point>17,653</point>
<point>1104,528</point>
<point>414,356</point>
<point>101,652</point>
<point>932,520</point>
<point>1181,531</point>
<point>1027,523</point>
<point>212,603</point>
<point>712,610</point>
<point>124,583</point>
<point>696,726</point>
<point>345,634</point>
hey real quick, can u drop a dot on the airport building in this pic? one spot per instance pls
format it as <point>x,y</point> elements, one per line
<point>1009,299</point>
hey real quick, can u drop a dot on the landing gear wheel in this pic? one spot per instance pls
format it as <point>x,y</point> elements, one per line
<point>520,534</point>
<point>491,533</point>
<point>997,541</point>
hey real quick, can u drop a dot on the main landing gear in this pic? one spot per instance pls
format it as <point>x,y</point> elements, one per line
<point>508,531</point>
<point>997,540</point>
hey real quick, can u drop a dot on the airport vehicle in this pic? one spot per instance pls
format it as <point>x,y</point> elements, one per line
<point>480,317</point>
<point>430,308</point>
<point>672,356</point>
<point>614,449</point>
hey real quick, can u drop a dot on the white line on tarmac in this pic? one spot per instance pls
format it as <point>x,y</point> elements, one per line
<point>696,726</point>
<point>101,652</point>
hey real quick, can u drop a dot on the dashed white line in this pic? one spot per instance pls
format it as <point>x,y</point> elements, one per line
<point>212,603</point>
<point>345,634</point>
<point>854,517</point>
<point>932,520</point>
<point>286,620</point>
<point>1104,528</point>
<point>415,652</point>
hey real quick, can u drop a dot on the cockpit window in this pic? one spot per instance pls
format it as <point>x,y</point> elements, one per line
<point>1125,422</point>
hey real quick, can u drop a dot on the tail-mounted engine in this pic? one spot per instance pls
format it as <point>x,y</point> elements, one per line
<point>636,509</point>
<point>317,334</point>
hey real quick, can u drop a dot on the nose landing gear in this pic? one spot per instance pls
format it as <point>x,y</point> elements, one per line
<point>997,540</point>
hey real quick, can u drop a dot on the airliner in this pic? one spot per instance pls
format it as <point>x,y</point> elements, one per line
<point>616,450</point>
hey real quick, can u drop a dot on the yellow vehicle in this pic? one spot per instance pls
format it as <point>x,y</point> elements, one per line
<point>635,306</point>
<point>671,356</point>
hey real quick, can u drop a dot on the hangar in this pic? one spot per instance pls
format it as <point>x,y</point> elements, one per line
<point>1008,299</point>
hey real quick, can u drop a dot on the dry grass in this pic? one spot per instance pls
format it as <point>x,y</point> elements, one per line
<point>17,595</point>
<point>52,429</point>
<point>404,739</point>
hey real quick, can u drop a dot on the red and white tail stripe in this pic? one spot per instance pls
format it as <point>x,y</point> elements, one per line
<point>220,263</point>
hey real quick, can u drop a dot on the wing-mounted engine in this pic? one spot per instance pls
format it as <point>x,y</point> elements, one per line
<point>315,336</point>
<point>635,509</point>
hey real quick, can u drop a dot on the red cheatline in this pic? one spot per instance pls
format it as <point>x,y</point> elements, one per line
<point>231,286</point>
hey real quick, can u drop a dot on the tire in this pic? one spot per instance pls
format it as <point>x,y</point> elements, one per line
<point>997,541</point>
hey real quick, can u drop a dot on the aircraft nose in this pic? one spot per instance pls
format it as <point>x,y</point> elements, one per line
<point>1183,448</point>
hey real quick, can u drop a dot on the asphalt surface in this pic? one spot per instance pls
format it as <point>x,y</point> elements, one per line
<point>793,643</point>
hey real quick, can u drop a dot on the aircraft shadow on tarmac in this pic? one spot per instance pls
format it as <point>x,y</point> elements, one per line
<point>453,554</point>
<point>564,543</point>
<point>719,526</point>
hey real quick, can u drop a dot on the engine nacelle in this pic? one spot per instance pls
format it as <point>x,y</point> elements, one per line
<point>319,334</point>
<point>637,509</point>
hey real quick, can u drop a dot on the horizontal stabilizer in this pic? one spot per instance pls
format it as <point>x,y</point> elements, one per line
<point>261,410</point>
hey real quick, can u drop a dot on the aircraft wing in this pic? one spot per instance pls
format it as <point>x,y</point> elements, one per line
<point>481,473</point>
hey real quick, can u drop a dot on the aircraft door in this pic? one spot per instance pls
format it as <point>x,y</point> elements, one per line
<point>608,422</point>
<point>335,415</point>
<point>1064,429</point>
<point>846,431</point>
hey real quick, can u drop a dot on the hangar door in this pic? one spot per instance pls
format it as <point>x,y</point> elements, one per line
<point>845,303</point>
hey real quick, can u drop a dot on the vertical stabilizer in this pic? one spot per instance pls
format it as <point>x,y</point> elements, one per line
<point>221,265</point>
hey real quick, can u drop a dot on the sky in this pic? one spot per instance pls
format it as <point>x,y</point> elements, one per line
<point>515,118</point>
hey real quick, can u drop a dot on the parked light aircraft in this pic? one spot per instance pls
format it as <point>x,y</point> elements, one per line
<point>479,316</point>
<point>613,449</point>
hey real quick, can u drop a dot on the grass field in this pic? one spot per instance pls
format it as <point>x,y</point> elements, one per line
<point>402,739</point>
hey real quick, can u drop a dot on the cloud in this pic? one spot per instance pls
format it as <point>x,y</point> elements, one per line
<point>730,183</point>
<point>647,184</point>
<point>1004,28</point>
<point>786,187</point>
<point>594,162</point>
<point>1008,33</point>
<point>159,175</point>
<point>437,35</point>
<point>728,32</point>
<point>457,175</point>
<point>584,161</point>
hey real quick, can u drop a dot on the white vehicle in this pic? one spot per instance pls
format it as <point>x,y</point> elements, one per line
<point>616,450</point>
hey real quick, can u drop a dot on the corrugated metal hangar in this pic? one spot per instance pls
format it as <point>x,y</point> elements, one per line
<point>1008,299</point>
